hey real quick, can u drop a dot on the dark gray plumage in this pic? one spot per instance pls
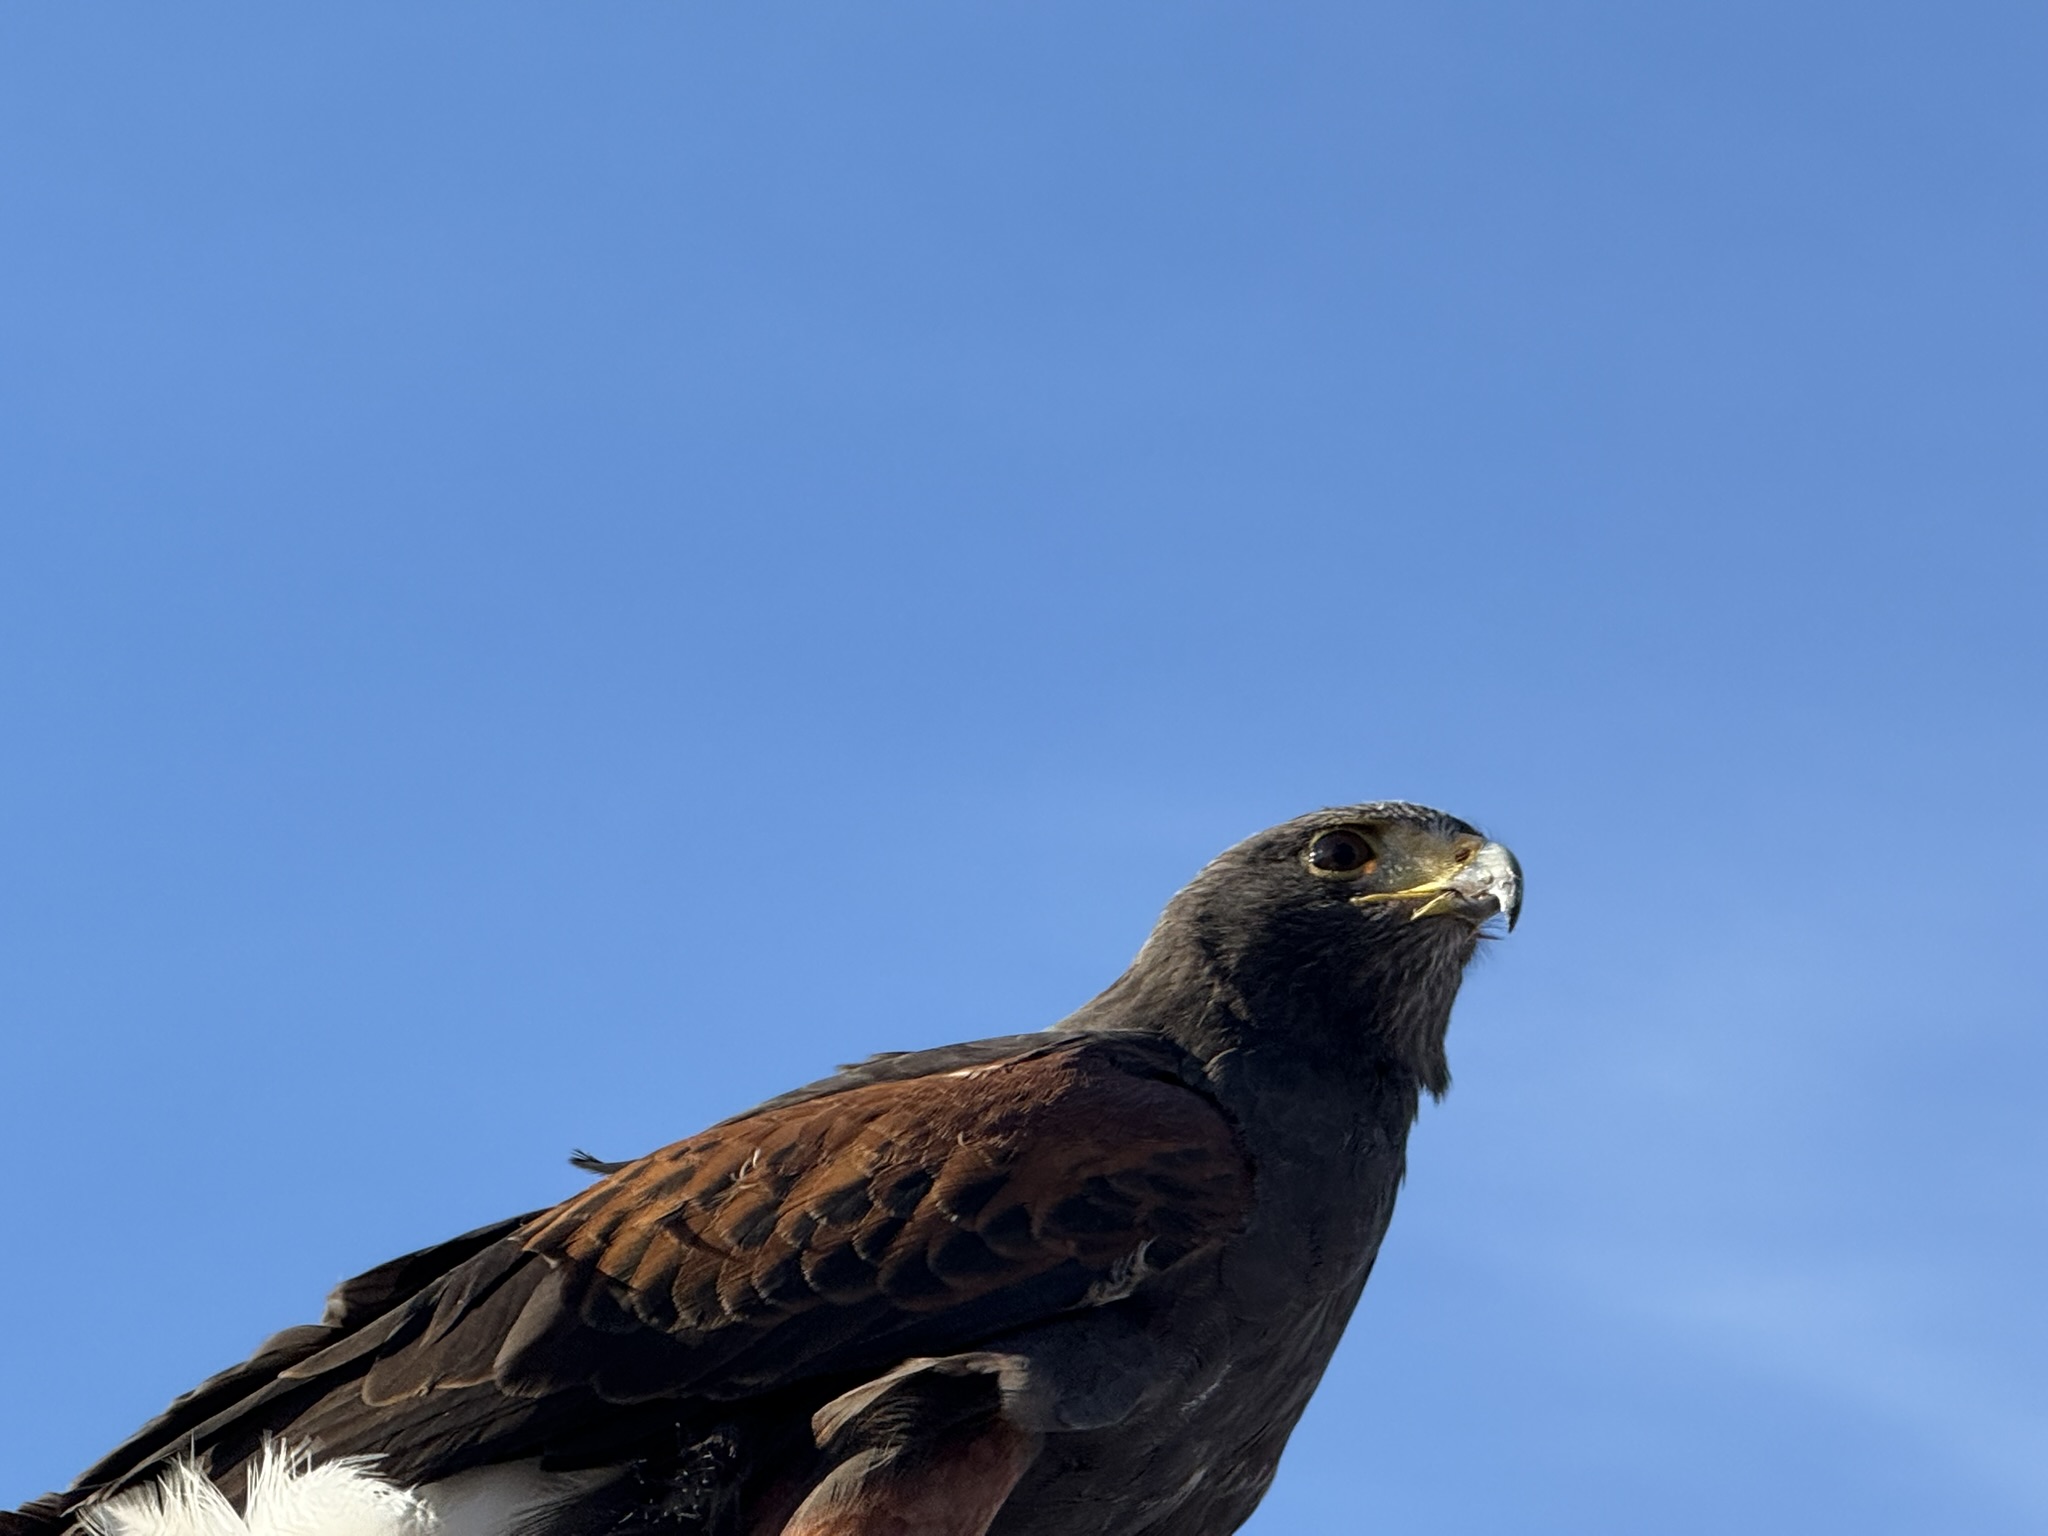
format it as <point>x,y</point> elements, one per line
<point>1070,1284</point>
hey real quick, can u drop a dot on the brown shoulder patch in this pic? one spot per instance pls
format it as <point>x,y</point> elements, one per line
<point>926,1192</point>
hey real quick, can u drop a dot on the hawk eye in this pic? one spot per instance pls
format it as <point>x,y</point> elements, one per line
<point>1339,853</point>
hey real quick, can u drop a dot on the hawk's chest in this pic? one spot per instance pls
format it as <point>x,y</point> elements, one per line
<point>1251,1329</point>
<point>1263,1327</point>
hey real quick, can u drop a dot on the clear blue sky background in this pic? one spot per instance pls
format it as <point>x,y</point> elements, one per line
<point>564,568</point>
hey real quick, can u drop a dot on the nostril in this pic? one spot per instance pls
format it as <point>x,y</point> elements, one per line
<point>1462,856</point>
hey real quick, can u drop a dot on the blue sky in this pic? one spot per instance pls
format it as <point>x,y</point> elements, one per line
<point>566,568</point>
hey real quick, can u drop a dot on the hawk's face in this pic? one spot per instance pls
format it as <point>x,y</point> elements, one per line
<point>1421,864</point>
<point>1360,876</point>
<point>1350,920</point>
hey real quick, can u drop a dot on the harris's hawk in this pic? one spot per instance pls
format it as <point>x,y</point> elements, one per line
<point>1069,1284</point>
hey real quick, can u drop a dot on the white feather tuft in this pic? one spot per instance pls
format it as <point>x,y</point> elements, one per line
<point>506,1498</point>
<point>288,1496</point>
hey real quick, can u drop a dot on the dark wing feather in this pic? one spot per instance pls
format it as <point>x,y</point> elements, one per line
<point>897,1066</point>
<point>827,1233</point>
<point>352,1304</point>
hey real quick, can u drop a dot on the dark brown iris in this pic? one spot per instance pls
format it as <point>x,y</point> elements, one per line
<point>1342,852</point>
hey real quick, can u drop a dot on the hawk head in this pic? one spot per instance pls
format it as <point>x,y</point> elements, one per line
<point>1341,935</point>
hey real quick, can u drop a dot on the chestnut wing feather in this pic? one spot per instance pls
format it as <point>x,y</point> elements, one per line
<point>897,1201</point>
<point>831,1233</point>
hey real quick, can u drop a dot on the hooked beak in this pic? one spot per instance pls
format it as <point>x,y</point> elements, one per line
<point>1487,884</point>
